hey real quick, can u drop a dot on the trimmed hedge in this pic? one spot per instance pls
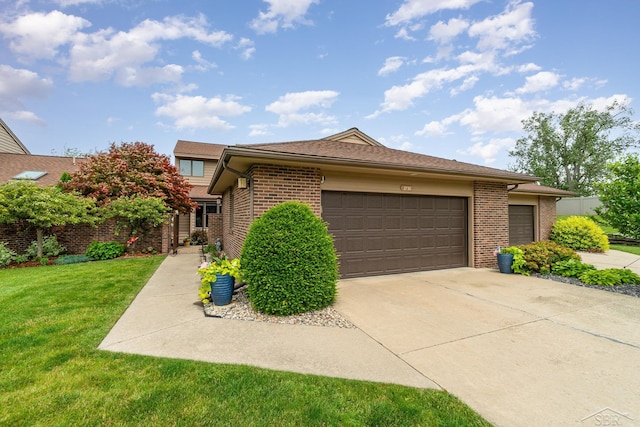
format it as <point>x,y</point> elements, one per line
<point>289,262</point>
<point>580,234</point>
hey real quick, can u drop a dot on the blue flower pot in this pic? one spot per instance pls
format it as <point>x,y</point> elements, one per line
<point>222,289</point>
<point>504,263</point>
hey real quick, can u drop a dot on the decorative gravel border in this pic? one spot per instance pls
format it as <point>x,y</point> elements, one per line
<point>631,290</point>
<point>240,309</point>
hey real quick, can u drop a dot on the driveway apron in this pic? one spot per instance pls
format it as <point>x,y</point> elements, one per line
<point>521,351</point>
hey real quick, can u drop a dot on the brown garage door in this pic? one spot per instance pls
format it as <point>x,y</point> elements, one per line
<point>396,233</point>
<point>520,225</point>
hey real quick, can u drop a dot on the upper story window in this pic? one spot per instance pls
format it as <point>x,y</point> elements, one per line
<point>191,167</point>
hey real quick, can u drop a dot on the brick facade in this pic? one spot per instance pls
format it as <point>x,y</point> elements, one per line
<point>490,221</point>
<point>547,215</point>
<point>269,185</point>
<point>76,238</point>
<point>215,228</point>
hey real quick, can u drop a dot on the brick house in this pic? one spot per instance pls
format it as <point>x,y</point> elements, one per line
<point>197,161</point>
<point>389,211</point>
<point>17,163</point>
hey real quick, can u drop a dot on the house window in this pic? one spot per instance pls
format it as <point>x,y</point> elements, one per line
<point>203,209</point>
<point>191,167</point>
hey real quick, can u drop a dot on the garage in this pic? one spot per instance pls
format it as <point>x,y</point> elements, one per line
<point>521,229</point>
<point>396,233</point>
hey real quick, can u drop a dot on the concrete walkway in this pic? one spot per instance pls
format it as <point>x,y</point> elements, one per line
<point>521,351</point>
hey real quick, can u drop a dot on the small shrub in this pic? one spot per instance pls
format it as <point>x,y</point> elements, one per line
<point>50,248</point>
<point>19,259</point>
<point>610,277</point>
<point>105,250</point>
<point>580,234</point>
<point>44,260</point>
<point>6,255</point>
<point>199,237</point>
<point>571,268</point>
<point>71,259</point>
<point>289,262</point>
<point>540,256</point>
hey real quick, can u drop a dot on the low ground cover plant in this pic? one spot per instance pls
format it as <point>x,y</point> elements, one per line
<point>610,277</point>
<point>6,255</point>
<point>105,250</point>
<point>50,248</point>
<point>579,233</point>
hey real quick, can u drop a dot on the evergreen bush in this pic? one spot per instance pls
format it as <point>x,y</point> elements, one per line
<point>289,262</point>
<point>579,233</point>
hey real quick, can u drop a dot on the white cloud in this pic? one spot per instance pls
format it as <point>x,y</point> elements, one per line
<point>574,84</point>
<point>399,142</point>
<point>506,30</point>
<point>444,33</point>
<point>415,9</point>
<point>190,112</point>
<point>467,84</point>
<point>528,68</point>
<point>26,116</point>
<point>17,84</point>
<point>65,3</point>
<point>488,151</point>
<point>404,35</point>
<point>539,82</point>
<point>39,35</point>
<point>391,64</point>
<point>259,130</point>
<point>106,53</point>
<point>282,14</point>
<point>289,107</point>
<point>247,47</point>
<point>203,64</point>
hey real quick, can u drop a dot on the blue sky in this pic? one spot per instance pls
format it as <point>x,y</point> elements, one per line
<point>449,78</point>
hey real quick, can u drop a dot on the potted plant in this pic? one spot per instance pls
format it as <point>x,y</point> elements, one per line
<point>186,241</point>
<point>218,278</point>
<point>506,258</point>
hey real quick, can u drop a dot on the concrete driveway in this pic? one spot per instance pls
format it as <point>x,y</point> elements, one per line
<point>521,351</point>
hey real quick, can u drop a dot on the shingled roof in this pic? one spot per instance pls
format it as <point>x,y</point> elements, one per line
<point>199,149</point>
<point>380,156</point>
<point>54,166</point>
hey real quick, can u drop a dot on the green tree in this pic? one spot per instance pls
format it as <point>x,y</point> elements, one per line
<point>139,213</point>
<point>620,196</point>
<point>570,151</point>
<point>42,207</point>
<point>131,169</point>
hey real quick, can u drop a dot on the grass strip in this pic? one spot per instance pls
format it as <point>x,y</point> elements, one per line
<point>51,373</point>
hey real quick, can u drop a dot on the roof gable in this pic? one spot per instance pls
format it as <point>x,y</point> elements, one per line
<point>353,136</point>
<point>198,150</point>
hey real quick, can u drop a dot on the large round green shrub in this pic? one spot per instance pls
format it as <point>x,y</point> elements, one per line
<point>540,256</point>
<point>289,262</point>
<point>580,234</point>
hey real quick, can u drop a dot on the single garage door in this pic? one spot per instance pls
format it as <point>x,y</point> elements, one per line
<point>396,233</point>
<point>520,225</point>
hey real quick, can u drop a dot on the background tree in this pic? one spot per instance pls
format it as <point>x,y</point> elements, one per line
<point>42,207</point>
<point>138,213</point>
<point>570,151</point>
<point>131,169</point>
<point>620,196</point>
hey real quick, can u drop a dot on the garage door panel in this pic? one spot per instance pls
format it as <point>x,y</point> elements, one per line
<point>399,233</point>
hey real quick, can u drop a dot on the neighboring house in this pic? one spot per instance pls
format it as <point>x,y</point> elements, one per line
<point>390,211</point>
<point>9,142</point>
<point>43,170</point>
<point>196,161</point>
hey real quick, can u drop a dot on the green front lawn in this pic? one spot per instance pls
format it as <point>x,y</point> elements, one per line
<point>51,373</point>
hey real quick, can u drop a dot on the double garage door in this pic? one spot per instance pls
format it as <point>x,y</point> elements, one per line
<point>395,233</point>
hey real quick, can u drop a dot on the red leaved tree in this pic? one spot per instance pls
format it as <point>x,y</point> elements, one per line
<point>128,170</point>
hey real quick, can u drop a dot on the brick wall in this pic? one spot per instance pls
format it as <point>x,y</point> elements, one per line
<point>269,186</point>
<point>490,221</point>
<point>76,238</point>
<point>273,185</point>
<point>215,227</point>
<point>547,212</point>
